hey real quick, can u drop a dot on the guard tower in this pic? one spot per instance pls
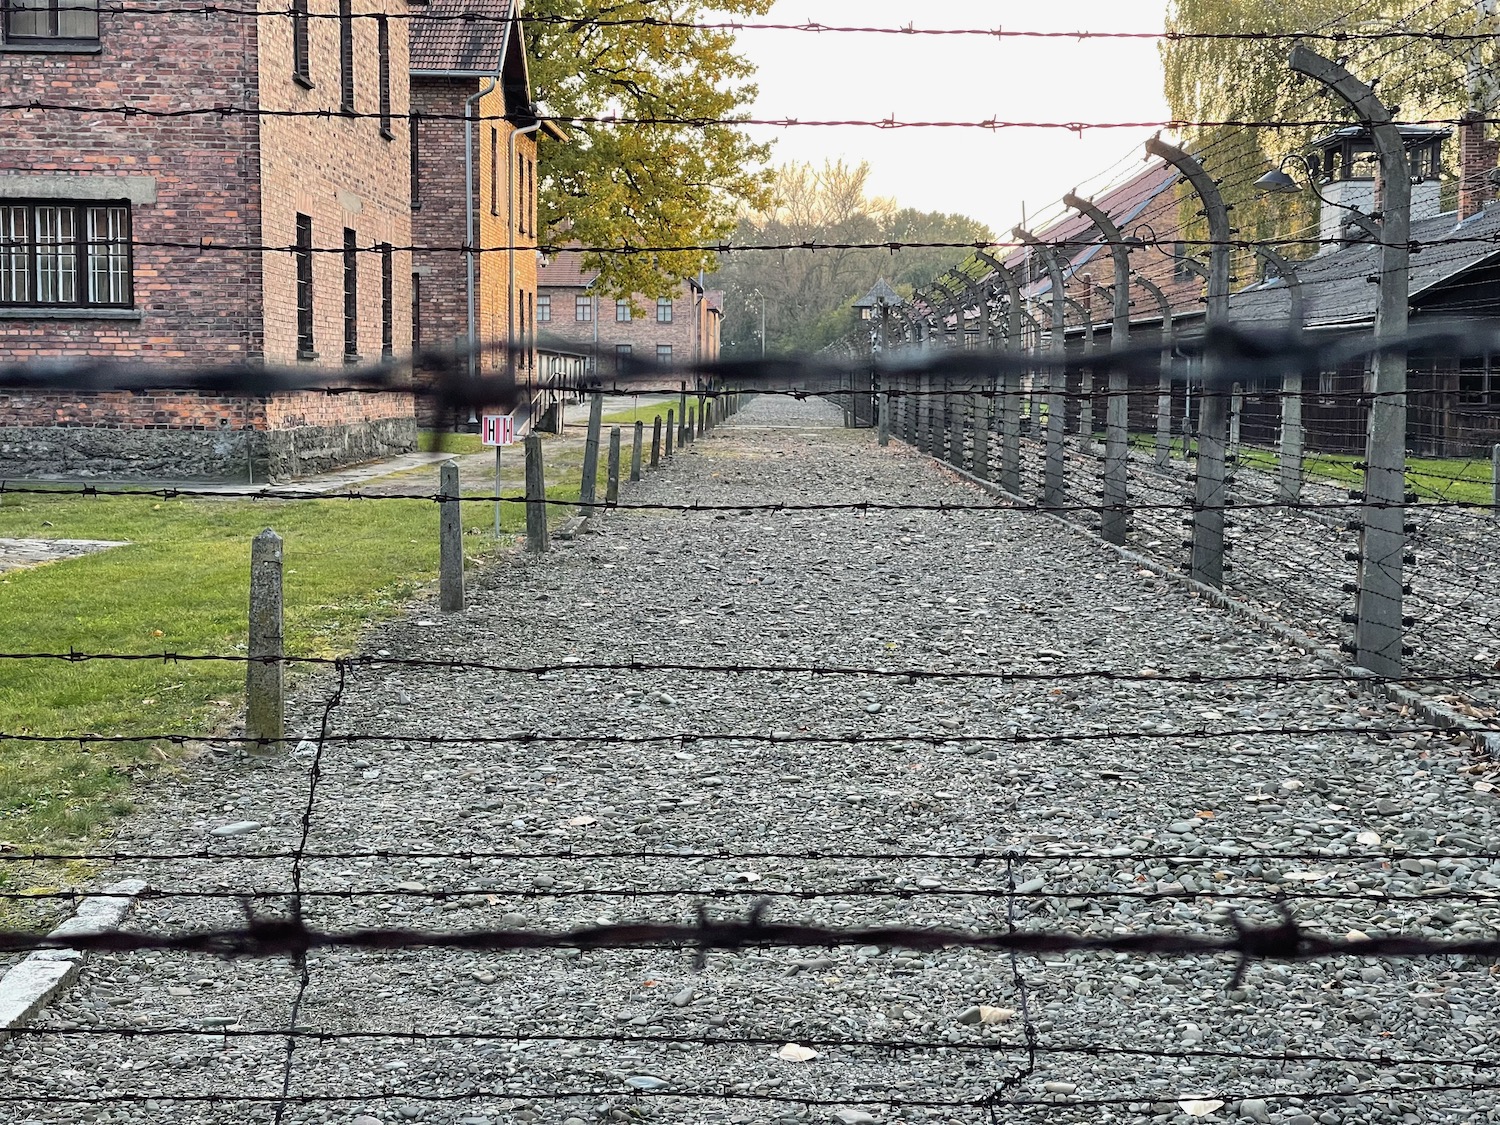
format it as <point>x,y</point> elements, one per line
<point>1344,164</point>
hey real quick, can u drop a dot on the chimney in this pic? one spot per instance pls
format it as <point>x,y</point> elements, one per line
<point>1476,161</point>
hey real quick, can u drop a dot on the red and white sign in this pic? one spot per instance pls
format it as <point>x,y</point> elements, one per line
<point>497,429</point>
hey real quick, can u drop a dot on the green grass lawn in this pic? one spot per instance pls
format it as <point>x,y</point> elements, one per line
<point>181,586</point>
<point>1433,479</point>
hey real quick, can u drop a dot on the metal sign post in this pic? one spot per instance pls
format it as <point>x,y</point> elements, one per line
<point>498,430</point>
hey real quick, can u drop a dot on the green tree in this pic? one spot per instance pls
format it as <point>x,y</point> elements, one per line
<point>807,294</point>
<point>649,184</point>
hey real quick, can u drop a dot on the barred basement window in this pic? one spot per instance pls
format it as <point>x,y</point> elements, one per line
<point>383,47</point>
<point>387,301</point>
<point>74,21</point>
<point>301,53</point>
<point>346,56</point>
<point>66,254</point>
<point>304,259</point>
<point>663,353</point>
<point>351,296</point>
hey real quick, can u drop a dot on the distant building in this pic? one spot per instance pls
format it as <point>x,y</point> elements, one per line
<point>683,327</point>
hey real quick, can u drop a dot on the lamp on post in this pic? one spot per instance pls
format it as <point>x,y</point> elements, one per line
<point>1278,182</point>
<point>1378,628</point>
<point>1207,564</point>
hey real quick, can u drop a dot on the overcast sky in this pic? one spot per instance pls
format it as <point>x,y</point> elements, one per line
<point>986,174</point>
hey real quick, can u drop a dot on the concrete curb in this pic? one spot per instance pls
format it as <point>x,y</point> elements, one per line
<point>31,984</point>
<point>1438,714</point>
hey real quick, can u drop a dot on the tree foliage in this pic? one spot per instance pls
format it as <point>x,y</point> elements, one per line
<point>808,293</point>
<point>1249,80</point>
<point>644,185</point>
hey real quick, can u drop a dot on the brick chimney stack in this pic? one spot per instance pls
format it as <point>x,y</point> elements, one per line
<point>1476,160</point>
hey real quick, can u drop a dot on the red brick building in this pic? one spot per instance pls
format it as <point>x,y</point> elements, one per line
<point>135,236</point>
<point>680,328</point>
<point>474,184</point>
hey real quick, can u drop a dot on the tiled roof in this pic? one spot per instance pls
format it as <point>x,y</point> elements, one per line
<point>452,43</point>
<point>565,268</point>
<point>1336,286</point>
<point>1123,205</point>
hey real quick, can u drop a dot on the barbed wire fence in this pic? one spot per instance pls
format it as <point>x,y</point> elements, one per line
<point>1037,910</point>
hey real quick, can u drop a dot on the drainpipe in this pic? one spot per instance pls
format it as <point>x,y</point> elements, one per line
<point>471,103</point>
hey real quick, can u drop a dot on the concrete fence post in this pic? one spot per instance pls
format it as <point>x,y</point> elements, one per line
<point>635,451</point>
<point>979,409</point>
<point>924,414</point>
<point>450,540</point>
<point>1010,431</point>
<point>1291,437</point>
<point>1163,451</point>
<point>1495,482</point>
<point>882,411</point>
<point>958,413</point>
<point>1086,409</point>
<point>671,431</point>
<point>1034,406</point>
<point>588,489</point>
<point>612,475</point>
<point>1114,520</point>
<point>1057,416</point>
<point>265,675</point>
<point>1236,411</point>
<point>682,416</point>
<point>536,496</point>
<point>656,442</point>
<point>1210,495</point>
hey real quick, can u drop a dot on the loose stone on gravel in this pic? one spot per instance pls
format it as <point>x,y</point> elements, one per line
<point>1090,803</point>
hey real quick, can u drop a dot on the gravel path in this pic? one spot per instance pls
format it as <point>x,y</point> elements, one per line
<point>1147,822</point>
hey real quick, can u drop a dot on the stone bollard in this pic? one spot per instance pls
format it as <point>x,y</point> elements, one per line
<point>536,497</point>
<point>671,430</point>
<point>588,487</point>
<point>612,476</point>
<point>265,675</point>
<point>450,540</point>
<point>656,442</point>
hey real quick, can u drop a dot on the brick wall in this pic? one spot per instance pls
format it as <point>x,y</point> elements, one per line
<point>342,173</point>
<point>691,333</point>
<point>440,221</point>
<point>191,302</point>
<point>214,181</point>
<point>151,410</point>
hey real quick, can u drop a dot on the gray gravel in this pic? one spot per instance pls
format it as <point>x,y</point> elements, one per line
<point>1105,823</point>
